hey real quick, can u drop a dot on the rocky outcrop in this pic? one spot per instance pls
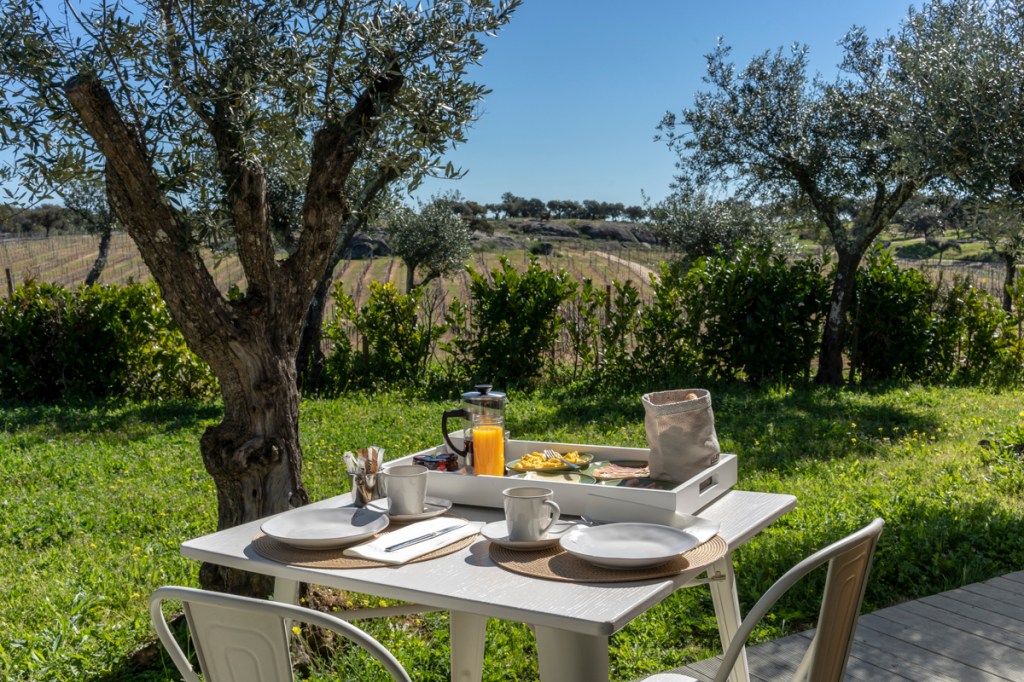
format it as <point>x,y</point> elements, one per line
<point>644,235</point>
<point>365,246</point>
<point>609,232</point>
<point>549,230</point>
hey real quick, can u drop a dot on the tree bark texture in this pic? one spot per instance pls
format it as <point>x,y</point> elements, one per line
<point>310,356</point>
<point>101,258</point>
<point>1010,261</point>
<point>254,454</point>
<point>833,336</point>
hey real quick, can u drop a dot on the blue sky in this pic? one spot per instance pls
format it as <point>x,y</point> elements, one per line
<point>579,87</point>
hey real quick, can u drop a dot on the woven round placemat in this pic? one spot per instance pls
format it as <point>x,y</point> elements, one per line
<point>554,563</point>
<point>276,550</point>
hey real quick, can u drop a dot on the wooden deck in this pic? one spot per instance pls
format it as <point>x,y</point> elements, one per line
<point>971,634</point>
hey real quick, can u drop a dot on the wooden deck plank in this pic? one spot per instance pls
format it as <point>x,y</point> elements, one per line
<point>1017,577</point>
<point>949,639</point>
<point>934,667</point>
<point>985,602</point>
<point>997,592</point>
<point>974,622</point>
<point>767,662</point>
<point>1004,583</point>
<point>893,665</point>
<point>1001,622</point>
<point>974,633</point>
<point>931,646</point>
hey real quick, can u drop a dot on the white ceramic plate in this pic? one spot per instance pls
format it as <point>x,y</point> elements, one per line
<point>497,532</point>
<point>323,528</point>
<point>432,506</point>
<point>606,510</point>
<point>627,545</point>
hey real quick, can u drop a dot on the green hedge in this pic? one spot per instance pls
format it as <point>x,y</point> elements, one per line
<point>744,315</point>
<point>93,342</point>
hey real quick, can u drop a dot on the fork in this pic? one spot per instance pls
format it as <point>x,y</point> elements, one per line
<point>551,454</point>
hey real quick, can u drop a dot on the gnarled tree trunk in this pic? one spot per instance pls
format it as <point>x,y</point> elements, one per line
<point>254,454</point>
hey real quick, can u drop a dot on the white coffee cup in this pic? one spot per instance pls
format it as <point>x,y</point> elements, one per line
<point>406,488</point>
<point>529,513</point>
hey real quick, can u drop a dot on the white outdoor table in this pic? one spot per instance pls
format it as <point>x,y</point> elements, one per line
<point>572,621</point>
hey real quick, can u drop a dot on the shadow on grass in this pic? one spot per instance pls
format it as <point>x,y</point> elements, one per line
<point>806,422</point>
<point>150,663</point>
<point>927,547</point>
<point>71,419</point>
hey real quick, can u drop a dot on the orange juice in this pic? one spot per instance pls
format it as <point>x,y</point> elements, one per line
<point>489,450</point>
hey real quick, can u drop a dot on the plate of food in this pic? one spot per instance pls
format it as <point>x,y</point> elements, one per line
<point>620,470</point>
<point>539,461</point>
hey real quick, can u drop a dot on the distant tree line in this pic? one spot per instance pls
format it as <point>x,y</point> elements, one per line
<point>44,219</point>
<point>513,206</point>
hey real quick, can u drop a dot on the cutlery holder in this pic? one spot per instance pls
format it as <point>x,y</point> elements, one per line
<point>366,488</point>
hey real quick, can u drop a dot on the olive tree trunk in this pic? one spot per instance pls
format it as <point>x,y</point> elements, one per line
<point>833,336</point>
<point>1010,261</point>
<point>253,455</point>
<point>101,258</point>
<point>851,243</point>
<point>310,355</point>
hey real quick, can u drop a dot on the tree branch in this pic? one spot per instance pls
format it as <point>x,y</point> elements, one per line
<point>137,199</point>
<point>336,149</point>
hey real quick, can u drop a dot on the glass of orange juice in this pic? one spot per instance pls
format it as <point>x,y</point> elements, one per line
<point>489,449</point>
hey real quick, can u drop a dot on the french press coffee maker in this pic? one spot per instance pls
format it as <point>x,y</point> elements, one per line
<point>483,430</point>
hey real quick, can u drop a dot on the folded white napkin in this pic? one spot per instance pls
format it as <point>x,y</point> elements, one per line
<point>376,549</point>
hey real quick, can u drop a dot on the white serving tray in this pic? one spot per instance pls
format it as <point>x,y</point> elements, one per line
<point>600,501</point>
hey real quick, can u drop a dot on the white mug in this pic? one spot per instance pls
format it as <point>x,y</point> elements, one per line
<point>529,513</point>
<point>406,488</point>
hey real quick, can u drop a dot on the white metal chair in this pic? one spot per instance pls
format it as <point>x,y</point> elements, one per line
<point>240,639</point>
<point>849,561</point>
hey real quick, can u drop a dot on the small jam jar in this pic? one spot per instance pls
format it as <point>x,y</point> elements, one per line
<point>444,461</point>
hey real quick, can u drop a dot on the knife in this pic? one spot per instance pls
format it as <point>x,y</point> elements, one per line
<point>422,538</point>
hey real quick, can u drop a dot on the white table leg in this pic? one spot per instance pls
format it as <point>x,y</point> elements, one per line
<point>467,632</point>
<point>286,590</point>
<point>564,656</point>
<point>727,611</point>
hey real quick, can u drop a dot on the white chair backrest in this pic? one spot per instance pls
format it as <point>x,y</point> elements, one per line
<point>849,562</point>
<point>240,639</point>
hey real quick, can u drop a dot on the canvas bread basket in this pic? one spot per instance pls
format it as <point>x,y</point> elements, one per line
<point>680,433</point>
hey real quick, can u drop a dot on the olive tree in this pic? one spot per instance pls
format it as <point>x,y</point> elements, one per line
<point>434,241</point>
<point>964,59</point>
<point>192,111</point>
<point>776,133</point>
<point>1001,223</point>
<point>695,223</point>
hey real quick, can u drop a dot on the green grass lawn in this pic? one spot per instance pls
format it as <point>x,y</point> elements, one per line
<point>96,499</point>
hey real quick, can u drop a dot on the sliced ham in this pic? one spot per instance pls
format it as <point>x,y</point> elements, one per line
<point>617,471</point>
